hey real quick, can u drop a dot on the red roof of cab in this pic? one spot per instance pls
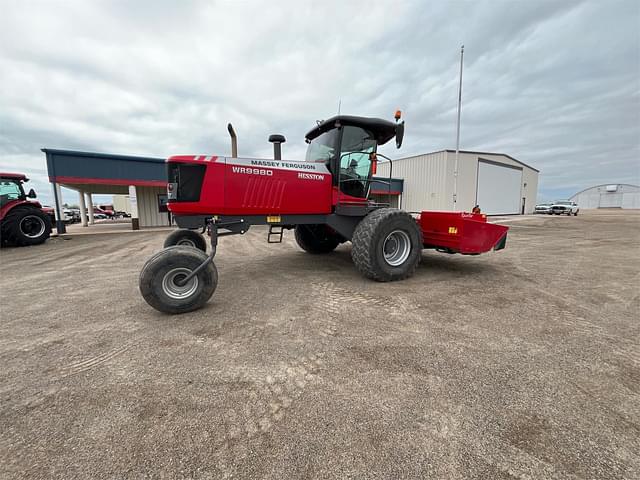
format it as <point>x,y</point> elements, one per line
<point>14,176</point>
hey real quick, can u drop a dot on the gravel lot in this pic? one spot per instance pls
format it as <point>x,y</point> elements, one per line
<point>523,363</point>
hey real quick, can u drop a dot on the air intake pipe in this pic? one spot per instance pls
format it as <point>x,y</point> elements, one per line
<point>277,141</point>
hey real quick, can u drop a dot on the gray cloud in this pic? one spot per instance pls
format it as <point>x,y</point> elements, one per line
<point>555,84</point>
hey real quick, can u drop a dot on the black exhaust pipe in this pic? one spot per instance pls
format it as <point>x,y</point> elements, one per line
<point>234,141</point>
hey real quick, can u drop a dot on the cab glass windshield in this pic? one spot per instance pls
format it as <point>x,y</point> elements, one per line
<point>323,147</point>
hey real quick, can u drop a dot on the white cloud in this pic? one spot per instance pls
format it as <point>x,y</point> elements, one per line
<point>555,84</point>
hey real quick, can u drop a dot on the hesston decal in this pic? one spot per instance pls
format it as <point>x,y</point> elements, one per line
<point>310,176</point>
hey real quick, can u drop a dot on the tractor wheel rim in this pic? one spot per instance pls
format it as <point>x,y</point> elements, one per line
<point>32,226</point>
<point>175,291</point>
<point>396,248</point>
<point>187,242</point>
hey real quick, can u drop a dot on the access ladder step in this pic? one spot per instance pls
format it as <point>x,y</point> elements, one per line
<point>275,234</point>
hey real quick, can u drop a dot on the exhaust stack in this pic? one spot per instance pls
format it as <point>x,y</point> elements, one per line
<point>277,141</point>
<point>234,141</point>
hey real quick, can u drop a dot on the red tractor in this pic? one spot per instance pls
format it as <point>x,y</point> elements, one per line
<point>22,222</point>
<point>325,199</point>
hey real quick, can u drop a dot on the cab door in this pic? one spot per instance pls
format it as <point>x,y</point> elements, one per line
<point>354,164</point>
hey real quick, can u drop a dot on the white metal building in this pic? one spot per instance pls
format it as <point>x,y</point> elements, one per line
<point>498,183</point>
<point>621,195</point>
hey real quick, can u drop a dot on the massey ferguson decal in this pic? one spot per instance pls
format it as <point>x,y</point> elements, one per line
<point>265,168</point>
<point>284,165</point>
<point>251,165</point>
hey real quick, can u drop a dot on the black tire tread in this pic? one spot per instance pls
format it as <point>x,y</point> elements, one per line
<point>10,229</point>
<point>363,237</point>
<point>308,242</point>
<point>174,237</point>
<point>150,273</point>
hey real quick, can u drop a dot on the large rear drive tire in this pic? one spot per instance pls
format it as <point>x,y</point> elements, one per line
<point>24,226</point>
<point>160,276</point>
<point>187,238</point>
<point>316,238</point>
<point>387,245</point>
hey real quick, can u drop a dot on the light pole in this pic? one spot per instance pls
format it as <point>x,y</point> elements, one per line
<point>455,169</point>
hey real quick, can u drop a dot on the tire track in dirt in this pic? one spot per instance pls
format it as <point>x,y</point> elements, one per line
<point>56,374</point>
<point>94,361</point>
<point>273,394</point>
<point>577,320</point>
<point>279,391</point>
<point>270,397</point>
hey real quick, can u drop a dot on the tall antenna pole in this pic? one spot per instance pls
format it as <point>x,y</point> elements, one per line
<point>339,105</point>
<point>455,170</point>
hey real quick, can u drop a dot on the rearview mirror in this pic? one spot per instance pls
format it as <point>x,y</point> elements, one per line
<point>399,134</point>
<point>31,194</point>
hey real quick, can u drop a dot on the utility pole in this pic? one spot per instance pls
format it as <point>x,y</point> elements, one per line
<point>455,170</point>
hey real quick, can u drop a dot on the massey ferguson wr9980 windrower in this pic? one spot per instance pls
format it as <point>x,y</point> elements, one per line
<point>325,199</point>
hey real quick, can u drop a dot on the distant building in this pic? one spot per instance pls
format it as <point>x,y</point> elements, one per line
<point>498,183</point>
<point>121,203</point>
<point>620,195</point>
<point>142,180</point>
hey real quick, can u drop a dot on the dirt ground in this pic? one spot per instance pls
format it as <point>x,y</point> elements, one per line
<point>523,363</point>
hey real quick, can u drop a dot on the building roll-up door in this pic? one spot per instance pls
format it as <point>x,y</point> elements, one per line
<point>610,200</point>
<point>499,188</point>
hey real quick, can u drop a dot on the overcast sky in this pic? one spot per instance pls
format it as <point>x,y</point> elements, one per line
<point>555,84</point>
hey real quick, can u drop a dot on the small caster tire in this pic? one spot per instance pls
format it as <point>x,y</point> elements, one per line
<point>161,276</point>
<point>186,238</point>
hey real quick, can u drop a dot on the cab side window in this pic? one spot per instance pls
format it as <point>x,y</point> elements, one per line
<point>355,161</point>
<point>9,191</point>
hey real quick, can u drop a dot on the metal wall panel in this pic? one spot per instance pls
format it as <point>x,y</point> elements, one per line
<point>625,196</point>
<point>88,165</point>
<point>148,211</point>
<point>631,200</point>
<point>425,181</point>
<point>429,180</point>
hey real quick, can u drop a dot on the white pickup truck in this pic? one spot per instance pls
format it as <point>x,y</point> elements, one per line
<point>565,207</point>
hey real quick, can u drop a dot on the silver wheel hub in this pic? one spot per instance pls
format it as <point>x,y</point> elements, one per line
<point>187,242</point>
<point>171,283</point>
<point>396,248</point>
<point>32,226</point>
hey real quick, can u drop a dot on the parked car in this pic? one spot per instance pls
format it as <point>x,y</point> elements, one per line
<point>565,207</point>
<point>543,208</point>
<point>72,215</point>
<point>66,216</point>
<point>101,211</point>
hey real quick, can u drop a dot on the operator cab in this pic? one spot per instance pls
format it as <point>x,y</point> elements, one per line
<point>347,146</point>
<point>11,188</point>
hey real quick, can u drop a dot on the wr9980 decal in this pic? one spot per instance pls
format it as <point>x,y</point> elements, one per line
<point>253,171</point>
